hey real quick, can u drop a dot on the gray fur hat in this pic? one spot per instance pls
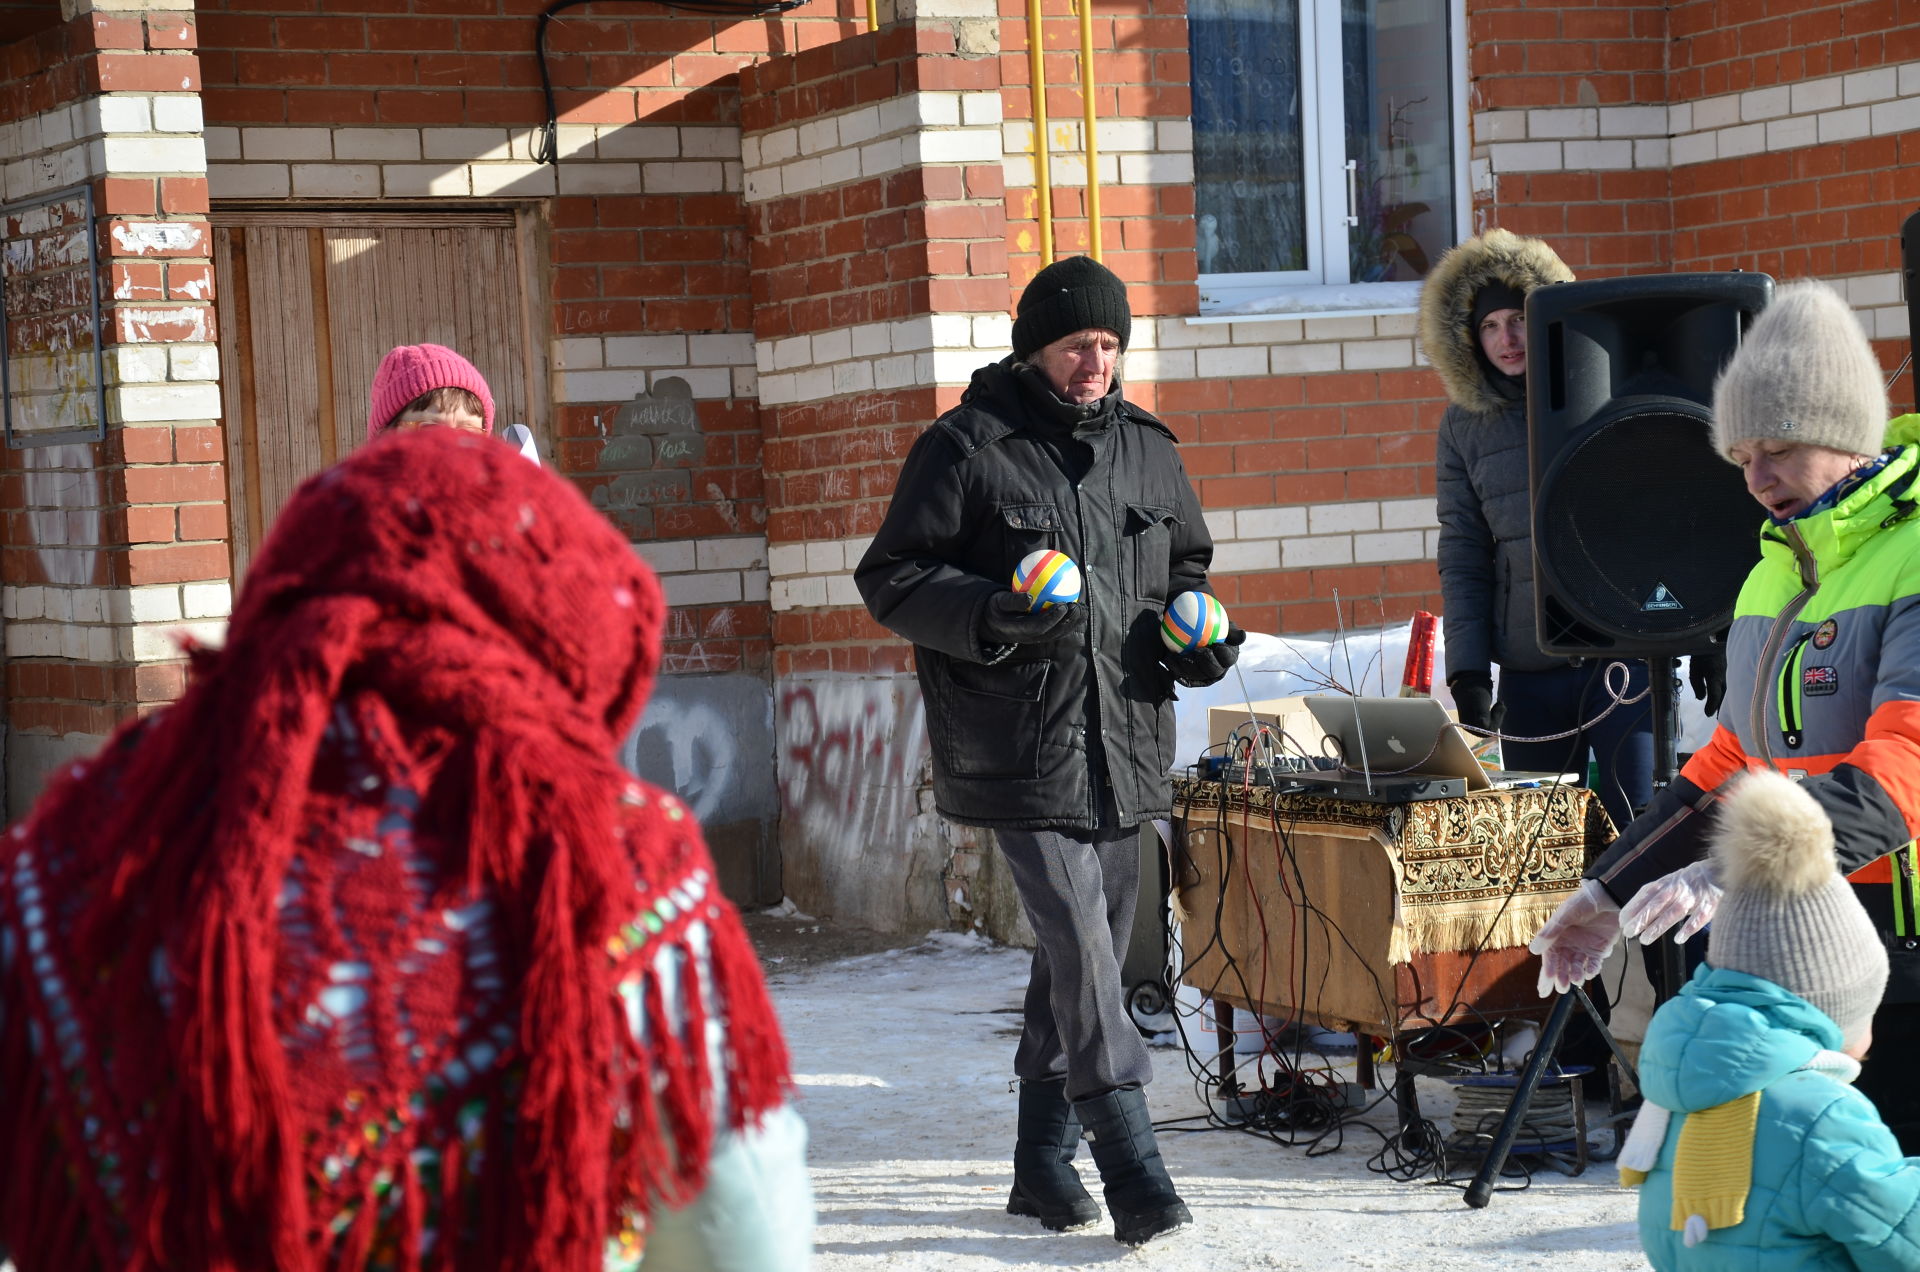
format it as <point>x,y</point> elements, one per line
<point>1787,914</point>
<point>1804,373</point>
<point>1447,299</point>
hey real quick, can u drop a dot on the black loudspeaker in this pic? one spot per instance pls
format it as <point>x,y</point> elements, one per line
<point>1642,533</point>
<point>1910,283</point>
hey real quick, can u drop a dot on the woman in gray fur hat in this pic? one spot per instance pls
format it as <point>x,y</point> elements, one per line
<point>1824,671</point>
<point>1473,329</point>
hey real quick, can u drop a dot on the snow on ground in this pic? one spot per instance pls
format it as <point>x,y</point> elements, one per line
<point>904,1060</point>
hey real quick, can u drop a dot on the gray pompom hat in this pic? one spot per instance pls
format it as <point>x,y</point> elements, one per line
<point>1787,915</point>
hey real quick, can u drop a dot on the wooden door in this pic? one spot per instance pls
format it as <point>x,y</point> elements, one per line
<point>309,302</point>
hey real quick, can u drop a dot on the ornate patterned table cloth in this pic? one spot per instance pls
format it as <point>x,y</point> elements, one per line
<point>1375,914</point>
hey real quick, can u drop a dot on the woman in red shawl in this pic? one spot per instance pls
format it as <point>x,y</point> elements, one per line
<point>366,953</point>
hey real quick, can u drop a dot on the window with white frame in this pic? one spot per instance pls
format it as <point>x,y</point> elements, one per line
<point>1329,148</point>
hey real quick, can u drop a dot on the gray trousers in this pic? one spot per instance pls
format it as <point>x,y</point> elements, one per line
<point>1078,888</point>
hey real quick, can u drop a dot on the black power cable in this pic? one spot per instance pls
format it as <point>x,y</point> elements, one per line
<point>1297,1103</point>
<point>546,149</point>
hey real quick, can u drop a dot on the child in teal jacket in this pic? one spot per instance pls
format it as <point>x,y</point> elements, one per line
<point>1752,1150</point>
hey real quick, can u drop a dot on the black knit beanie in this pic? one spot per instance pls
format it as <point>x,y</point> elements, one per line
<point>1068,296</point>
<point>1492,298</point>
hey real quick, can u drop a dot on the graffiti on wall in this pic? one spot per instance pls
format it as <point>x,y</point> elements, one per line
<point>63,498</point>
<point>654,444</point>
<point>852,754</point>
<point>709,740</point>
<point>687,640</point>
<point>51,315</point>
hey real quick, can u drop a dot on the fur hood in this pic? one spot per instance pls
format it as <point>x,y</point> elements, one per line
<point>1446,302</point>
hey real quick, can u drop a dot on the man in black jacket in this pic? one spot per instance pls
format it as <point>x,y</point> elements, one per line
<point>1054,726</point>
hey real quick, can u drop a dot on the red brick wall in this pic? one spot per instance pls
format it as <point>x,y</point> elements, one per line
<point>1576,55</point>
<point>1339,437</point>
<point>619,263</point>
<point>88,523</point>
<point>878,252</point>
<point>1832,210</point>
<point>1724,46</point>
<point>1140,73</point>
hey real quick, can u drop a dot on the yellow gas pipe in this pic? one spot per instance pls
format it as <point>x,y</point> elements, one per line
<point>1090,147</point>
<point>1042,173</point>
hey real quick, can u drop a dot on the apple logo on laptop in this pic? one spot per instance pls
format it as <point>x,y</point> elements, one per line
<point>1393,744</point>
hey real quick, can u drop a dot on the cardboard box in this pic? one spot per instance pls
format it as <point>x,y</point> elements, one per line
<point>1281,715</point>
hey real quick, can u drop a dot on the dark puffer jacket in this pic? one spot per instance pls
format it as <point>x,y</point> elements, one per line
<point>988,483</point>
<point>1486,532</point>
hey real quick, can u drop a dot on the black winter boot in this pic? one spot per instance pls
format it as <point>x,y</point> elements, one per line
<point>1045,1184</point>
<point>1139,1195</point>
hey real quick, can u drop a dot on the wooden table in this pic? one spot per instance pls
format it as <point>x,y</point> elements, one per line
<point>1375,918</point>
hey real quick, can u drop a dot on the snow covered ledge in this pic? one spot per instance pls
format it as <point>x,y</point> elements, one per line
<point>1343,300</point>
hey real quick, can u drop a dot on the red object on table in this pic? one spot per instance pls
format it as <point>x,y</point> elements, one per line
<point>1416,681</point>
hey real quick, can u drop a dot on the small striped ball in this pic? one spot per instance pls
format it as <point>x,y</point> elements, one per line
<point>1047,578</point>
<point>1193,619</point>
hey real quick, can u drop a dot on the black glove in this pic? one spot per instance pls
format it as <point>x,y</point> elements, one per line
<point>1008,620</point>
<point>1708,674</point>
<point>1198,668</point>
<point>1473,701</point>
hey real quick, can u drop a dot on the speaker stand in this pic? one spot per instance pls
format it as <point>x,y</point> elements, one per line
<point>1663,682</point>
<point>1664,687</point>
<point>1480,1191</point>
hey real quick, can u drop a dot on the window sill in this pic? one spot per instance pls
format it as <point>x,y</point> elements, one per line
<point>1350,300</point>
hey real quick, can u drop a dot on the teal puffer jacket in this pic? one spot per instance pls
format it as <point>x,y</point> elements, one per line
<point>1830,1188</point>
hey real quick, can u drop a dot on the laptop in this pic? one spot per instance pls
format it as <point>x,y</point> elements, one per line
<point>1408,737</point>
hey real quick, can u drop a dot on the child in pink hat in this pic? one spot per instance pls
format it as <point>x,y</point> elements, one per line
<point>423,384</point>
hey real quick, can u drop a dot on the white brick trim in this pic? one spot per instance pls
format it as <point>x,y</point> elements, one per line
<point>1130,152</point>
<point>1246,540</point>
<point>1869,103</point>
<point>870,141</point>
<point>946,349</point>
<point>617,368</point>
<point>43,153</point>
<point>451,163</point>
<point>881,356</point>
<point>720,571</point>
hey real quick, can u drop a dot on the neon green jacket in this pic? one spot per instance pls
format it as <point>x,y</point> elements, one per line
<point>1823,681</point>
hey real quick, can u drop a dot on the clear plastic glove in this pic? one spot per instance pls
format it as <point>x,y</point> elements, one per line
<point>1686,897</point>
<point>1577,939</point>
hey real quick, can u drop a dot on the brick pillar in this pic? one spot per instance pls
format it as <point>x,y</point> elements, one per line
<point>112,546</point>
<point>877,222</point>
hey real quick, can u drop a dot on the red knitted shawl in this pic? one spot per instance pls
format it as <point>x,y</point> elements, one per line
<point>174,1096</point>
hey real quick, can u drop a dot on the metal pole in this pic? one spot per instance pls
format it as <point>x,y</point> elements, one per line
<point>1664,680</point>
<point>1480,1191</point>
<point>1042,175</point>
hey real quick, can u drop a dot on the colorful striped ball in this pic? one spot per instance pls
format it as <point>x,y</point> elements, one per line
<point>1193,619</point>
<point>1047,578</point>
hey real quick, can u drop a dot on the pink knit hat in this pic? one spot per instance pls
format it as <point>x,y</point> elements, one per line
<point>411,370</point>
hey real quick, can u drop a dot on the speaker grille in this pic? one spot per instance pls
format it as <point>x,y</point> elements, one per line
<point>1646,531</point>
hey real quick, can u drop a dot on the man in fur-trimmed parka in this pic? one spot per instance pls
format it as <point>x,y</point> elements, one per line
<point>1473,329</point>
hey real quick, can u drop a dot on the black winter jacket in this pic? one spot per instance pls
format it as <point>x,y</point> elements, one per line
<point>1486,542</point>
<point>1486,529</point>
<point>984,486</point>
